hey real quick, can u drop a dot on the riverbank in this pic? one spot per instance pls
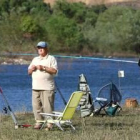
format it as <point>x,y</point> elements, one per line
<point>14,61</point>
<point>25,59</point>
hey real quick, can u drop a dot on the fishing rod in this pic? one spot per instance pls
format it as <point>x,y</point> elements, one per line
<point>64,101</point>
<point>11,113</point>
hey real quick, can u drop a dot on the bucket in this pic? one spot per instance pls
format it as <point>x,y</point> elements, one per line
<point>131,102</point>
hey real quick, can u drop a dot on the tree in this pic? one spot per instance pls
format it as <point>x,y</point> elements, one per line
<point>135,44</point>
<point>63,32</point>
<point>114,30</point>
<point>30,26</point>
<point>4,6</point>
<point>75,11</point>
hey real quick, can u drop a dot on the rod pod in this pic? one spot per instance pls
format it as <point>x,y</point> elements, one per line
<point>11,112</point>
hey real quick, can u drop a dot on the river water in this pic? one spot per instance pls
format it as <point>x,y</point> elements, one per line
<point>16,83</point>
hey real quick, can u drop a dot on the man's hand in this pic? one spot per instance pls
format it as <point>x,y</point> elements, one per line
<point>40,67</point>
<point>33,68</point>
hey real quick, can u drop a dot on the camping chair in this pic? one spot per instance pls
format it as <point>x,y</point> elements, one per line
<point>108,99</point>
<point>64,118</point>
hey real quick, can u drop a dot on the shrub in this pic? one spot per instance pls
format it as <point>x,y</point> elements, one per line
<point>63,32</point>
<point>114,29</point>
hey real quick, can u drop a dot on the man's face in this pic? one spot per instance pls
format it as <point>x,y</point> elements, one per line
<point>42,51</point>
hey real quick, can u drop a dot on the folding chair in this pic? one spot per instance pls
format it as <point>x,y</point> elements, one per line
<point>108,98</point>
<point>64,118</point>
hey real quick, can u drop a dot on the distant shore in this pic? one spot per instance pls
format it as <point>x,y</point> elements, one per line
<point>26,59</point>
<point>15,62</point>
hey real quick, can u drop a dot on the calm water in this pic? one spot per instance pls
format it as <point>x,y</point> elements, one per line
<point>16,83</point>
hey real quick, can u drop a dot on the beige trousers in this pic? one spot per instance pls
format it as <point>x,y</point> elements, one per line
<point>42,101</point>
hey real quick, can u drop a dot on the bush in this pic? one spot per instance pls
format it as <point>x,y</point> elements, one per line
<point>10,35</point>
<point>135,39</point>
<point>114,30</point>
<point>63,32</point>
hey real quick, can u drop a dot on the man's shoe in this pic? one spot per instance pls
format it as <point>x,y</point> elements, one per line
<point>37,126</point>
<point>49,127</point>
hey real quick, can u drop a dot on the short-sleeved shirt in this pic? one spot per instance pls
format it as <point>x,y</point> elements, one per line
<point>42,80</point>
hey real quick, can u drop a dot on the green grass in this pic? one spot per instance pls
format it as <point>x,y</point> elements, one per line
<point>125,126</point>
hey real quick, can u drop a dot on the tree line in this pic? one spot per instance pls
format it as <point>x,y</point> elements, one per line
<point>72,28</point>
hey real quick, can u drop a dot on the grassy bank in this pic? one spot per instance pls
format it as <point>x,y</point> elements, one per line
<point>124,126</point>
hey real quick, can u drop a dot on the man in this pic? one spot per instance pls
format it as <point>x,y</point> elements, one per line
<point>43,69</point>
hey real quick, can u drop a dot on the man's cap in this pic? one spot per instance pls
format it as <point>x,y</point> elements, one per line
<point>42,44</point>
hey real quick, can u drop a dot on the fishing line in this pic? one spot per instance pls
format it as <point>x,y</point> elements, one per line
<point>119,76</point>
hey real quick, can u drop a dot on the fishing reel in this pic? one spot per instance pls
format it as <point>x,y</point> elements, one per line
<point>5,110</point>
